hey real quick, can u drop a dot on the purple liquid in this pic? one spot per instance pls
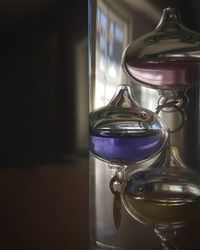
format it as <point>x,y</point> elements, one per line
<point>126,148</point>
<point>165,73</point>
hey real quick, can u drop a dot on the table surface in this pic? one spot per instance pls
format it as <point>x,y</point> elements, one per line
<point>44,207</point>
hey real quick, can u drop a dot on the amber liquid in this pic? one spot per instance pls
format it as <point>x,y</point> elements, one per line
<point>162,206</point>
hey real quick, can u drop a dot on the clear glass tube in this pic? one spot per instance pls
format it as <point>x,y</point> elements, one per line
<point>113,24</point>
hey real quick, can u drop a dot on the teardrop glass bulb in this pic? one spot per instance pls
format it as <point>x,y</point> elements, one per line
<point>166,58</point>
<point>123,132</point>
<point>167,193</point>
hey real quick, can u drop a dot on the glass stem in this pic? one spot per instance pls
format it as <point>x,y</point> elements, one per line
<point>167,235</point>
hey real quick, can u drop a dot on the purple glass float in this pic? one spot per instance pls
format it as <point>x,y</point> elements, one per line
<point>124,132</point>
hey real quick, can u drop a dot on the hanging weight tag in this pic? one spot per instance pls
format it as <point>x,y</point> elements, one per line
<point>115,187</point>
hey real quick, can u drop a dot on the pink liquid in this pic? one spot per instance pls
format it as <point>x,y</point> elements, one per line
<point>165,73</point>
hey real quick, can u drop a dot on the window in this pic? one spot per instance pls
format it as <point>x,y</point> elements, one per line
<point>111,40</point>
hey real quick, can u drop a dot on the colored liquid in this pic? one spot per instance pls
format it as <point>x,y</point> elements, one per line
<point>164,206</point>
<point>126,148</point>
<point>165,73</point>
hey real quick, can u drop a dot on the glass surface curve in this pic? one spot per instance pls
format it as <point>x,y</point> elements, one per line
<point>123,132</point>
<point>167,193</point>
<point>166,58</point>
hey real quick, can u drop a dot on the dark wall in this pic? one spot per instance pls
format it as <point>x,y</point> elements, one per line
<point>37,89</point>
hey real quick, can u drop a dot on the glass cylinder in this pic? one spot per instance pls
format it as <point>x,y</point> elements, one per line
<point>113,25</point>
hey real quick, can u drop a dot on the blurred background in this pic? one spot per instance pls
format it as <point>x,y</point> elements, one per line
<point>40,45</point>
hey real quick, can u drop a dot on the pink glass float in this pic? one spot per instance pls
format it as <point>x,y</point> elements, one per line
<point>166,58</point>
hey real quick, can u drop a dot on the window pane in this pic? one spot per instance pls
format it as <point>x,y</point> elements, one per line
<point>104,21</point>
<point>111,30</point>
<point>119,34</point>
